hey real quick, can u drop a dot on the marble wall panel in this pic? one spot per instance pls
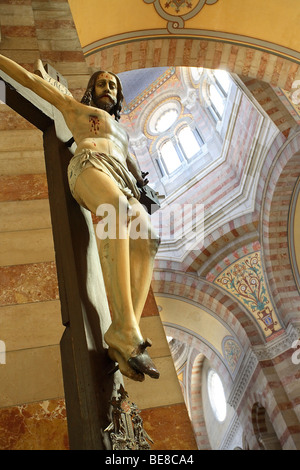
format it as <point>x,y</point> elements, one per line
<point>169,427</point>
<point>150,308</point>
<point>10,43</point>
<point>36,282</point>
<point>34,426</point>
<point>23,187</point>
<point>31,388</point>
<point>10,120</point>
<point>32,413</point>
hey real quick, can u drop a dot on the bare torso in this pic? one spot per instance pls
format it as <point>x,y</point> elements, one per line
<point>92,127</point>
<point>96,130</point>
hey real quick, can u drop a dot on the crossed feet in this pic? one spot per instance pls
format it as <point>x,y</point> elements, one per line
<point>133,360</point>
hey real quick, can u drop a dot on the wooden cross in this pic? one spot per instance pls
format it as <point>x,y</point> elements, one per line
<point>89,385</point>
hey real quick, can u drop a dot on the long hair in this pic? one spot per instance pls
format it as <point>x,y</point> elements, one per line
<point>89,94</point>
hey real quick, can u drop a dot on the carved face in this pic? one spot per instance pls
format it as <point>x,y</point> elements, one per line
<point>105,91</point>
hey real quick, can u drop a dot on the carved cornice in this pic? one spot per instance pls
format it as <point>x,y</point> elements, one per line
<point>260,353</point>
<point>232,432</point>
<point>242,380</point>
<point>278,345</point>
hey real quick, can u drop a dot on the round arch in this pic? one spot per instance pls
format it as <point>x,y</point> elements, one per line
<point>193,380</point>
<point>263,429</point>
<point>210,297</point>
<point>238,232</point>
<point>247,61</point>
<point>282,177</point>
<point>197,413</point>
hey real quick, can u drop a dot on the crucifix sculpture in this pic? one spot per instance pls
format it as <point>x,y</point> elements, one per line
<point>100,173</point>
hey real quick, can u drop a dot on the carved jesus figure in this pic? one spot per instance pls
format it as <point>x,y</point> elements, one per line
<point>102,172</point>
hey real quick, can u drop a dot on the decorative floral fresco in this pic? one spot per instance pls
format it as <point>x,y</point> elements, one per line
<point>232,352</point>
<point>244,279</point>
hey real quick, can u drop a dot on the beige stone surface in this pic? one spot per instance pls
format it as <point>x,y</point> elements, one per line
<point>31,325</point>
<point>19,140</point>
<point>152,392</point>
<point>9,17</point>
<point>24,215</point>
<point>152,327</point>
<point>31,375</point>
<point>22,162</point>
<point>28,246</point>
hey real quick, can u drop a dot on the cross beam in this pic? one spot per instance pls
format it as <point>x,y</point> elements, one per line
<point>89,387</point>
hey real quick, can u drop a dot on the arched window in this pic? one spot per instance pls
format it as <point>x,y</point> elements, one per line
<point>223,80</point>
<point>196,73</point>
<point>216,395</point>
<point>164,116</point>
<point>218,87</point>
<point>169,156</point>
<point>217,101</point>
<point>166,120</point>
<point>184,145</point>
<point>175,142</point>
<point>188,142</point>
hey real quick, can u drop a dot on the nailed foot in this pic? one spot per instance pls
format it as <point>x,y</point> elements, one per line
<point>133,362</point>
<point>123,366</point>
<point>142,362</point>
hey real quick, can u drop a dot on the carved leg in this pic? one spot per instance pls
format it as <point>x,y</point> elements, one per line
<point>142,253</point>
<point>143,245</point>
<point>123,337</point>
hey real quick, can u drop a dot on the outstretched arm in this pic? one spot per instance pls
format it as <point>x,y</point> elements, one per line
<point>35,83</point>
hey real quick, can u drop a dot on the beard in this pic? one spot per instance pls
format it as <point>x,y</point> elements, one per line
<point>106,105</point>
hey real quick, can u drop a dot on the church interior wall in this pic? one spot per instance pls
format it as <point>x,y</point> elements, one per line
<point>32,408</point>
<point>263,387</point>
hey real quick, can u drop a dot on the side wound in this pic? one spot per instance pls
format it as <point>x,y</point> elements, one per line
<point>95,124</point>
